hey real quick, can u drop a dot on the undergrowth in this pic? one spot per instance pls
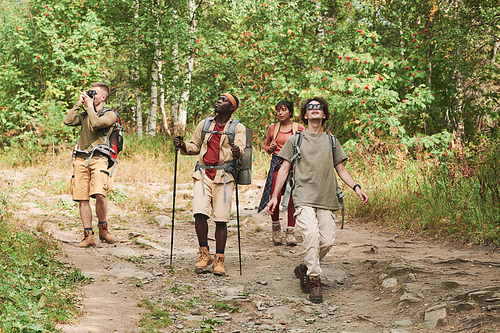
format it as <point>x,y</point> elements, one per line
<point>35,288</point>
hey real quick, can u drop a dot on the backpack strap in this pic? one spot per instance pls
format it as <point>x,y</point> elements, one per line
<point>340,195</point>
<point>289,180</point>
<point>231,130</point>
<point>276,130</point>
<point>295,127</point>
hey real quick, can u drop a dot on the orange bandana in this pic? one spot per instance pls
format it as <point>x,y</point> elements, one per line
<point>231,99</point>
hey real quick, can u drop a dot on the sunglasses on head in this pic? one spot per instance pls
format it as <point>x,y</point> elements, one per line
<point>317,106</point>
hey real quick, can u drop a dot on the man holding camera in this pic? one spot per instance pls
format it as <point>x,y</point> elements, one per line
<point>90,168</point>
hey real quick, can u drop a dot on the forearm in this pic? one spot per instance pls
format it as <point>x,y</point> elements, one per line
<point>72,118</point>
<point>281,178</point>
<point>105,121</point>
<point>345,175</point>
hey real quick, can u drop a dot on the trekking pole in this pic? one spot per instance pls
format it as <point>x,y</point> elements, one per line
<point>237,210</point>
<point>173,206</point>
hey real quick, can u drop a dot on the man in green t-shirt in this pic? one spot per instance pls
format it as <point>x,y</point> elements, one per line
<point>314,194</point>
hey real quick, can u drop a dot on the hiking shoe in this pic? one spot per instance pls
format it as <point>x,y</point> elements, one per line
<point>219,264</point>
<point>276,234</point>
<point>88,240</point>
<point>290,237</point>
<point>105,235</point>
<point>316,295</point>
<point>204,261</point>
<point>301,273</point>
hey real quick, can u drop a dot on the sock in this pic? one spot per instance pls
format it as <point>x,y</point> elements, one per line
<point>89,230</point>
<point>204,244</point>
<point>101,223</point>
<point>219,251</point>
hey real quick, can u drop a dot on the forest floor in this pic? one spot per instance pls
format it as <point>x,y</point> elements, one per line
<point>374,280</point>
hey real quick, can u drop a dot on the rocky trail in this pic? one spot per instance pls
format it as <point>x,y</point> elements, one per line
<point>373,280</point>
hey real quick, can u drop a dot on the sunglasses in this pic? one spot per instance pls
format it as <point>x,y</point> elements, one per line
<point>317,106</point>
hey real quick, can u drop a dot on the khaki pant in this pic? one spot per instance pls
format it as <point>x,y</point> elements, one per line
<point>87,181</point>
<point>209,199</point>
<point>318,229</point>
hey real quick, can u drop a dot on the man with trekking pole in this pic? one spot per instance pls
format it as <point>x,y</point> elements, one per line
<point>91,178</point>
<point>217,140</point>
<point>315,159</point>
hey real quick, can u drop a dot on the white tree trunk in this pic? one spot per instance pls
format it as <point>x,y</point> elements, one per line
<point>138,100</point>
<point>155,70</point>
<point>182,121</point>
<point>162,101</point>
<point>174,106</point>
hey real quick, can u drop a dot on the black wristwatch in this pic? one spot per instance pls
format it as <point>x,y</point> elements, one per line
<point>354,187</point>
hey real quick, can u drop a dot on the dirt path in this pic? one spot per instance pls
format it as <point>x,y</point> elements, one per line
<point>374,281</point>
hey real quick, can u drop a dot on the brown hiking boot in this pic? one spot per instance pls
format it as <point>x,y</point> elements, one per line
<point>290,237</point>
<point>276,234</point>
<point>316,293</point>
<point>88,240</point>
<point>301,273</point>
<point>105,235</point>
<point>204,261</point>
<point>219,264</point>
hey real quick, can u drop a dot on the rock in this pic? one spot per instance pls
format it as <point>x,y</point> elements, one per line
<point>196,312</point>
<point>389,283</point>
<point>163,220</point>
<point>404,322</point>
<point>310,320</point>
<point>382,277</point>
<point>399,330</point>
<point>180,326</point>
<point>142,241</point>
<point>336,276</point>
<point>114,292</point>
<point>35,192</point>
<point>410,297</point>
<point>458,307</point>
<point>412,277</point>
<point>435,316</point>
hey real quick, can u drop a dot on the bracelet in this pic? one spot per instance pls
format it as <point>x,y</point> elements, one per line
<point>354,187</point>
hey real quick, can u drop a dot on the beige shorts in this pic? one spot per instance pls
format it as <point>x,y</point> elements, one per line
<point>212,201</point>
<point>87,181</point>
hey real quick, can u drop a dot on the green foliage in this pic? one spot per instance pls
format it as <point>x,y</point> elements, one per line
<point>157,316</point>
<point>208,324</point>
<point>453,195</point>
<point>226,306</point>
<point>35,288</point>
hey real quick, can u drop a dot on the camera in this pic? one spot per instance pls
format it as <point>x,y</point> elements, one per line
<point>90,93</point>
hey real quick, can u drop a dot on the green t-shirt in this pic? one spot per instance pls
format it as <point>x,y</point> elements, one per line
<point>314,173</point>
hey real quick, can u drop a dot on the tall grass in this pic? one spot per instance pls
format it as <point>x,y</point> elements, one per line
<point>453,196</point>
<point>35,288</point>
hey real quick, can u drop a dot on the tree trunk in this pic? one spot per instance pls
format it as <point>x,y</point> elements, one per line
<point>155,70</point>
<point>174,106</point>
<point>162,101</point>
<point>182,121</point>
<point>138,100</point>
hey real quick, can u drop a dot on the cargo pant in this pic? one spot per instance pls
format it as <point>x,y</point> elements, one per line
<point>318,231</point>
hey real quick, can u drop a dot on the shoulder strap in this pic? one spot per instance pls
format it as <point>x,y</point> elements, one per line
<point>276,130</point>
<point>295,127</point>
<point>231,131</point>
<point>206,126</point>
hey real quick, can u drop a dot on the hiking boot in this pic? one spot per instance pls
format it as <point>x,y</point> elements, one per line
<point>301,273</point>
<point>290,237</point>
<point>204,261</point>
<point>219,264</point>
<point>316,293</point>
<point>105,235</point>
<point>88,240</point>
<point>276,234</point>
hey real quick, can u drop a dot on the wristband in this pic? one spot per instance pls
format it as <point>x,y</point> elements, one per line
<point>354,187</point>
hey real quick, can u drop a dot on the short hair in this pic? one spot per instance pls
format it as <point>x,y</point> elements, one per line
<point>321,100</point>
<point>287,104</point>
<point>103,86</point>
